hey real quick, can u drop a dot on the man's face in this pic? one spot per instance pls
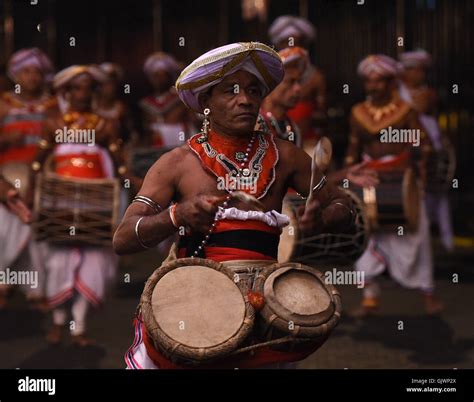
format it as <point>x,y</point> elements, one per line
<point>287,93</point>
<point>81,91</point>
<point>377,86</point>
<point>161,81</point>
<point>234,103</point>
<point>414,75</point>
<point>30,79</point>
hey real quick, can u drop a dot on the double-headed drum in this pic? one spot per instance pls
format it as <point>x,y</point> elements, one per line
<point>314,250</point>
<point>194,311</point>
<point>394,202</point>
<point>75,211</point>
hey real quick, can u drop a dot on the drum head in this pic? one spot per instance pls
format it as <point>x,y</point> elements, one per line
<point>197,306</point>
<point>193,311</point>
<point>298,302</point>
<point>297,291</point>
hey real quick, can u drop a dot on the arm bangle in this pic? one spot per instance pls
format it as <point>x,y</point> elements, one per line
<point>172,212</point>
<point>138,235</point>
<point>149,202</point>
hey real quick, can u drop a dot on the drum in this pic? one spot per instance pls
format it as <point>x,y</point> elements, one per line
<point>18,174</point>
<point>194,311</point>
<point>298,303</point>
<point>326,247</point>
<point>393,203</point>
<point>440,168</point>
<point>74,211</point>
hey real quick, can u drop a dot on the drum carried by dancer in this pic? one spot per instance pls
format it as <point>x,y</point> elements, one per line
<point>76,203</point>
<point>400,240</point>
<point>221,299</point>
<point>273,117</point>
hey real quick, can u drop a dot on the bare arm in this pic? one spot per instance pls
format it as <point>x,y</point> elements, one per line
<point>356,173</point>
<point>330,209</point>
<point>158,185</point>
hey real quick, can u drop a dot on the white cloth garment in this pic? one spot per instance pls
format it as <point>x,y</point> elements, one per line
<point>407,258</point>
<point>271,218</point>
<point>86,271</point>
<point>18,251</point>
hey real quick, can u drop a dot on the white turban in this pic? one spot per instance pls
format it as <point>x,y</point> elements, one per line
<point>213,66</point>
<point>380,64</point>
<point>162,61</point>
<point>30,57</point>
<point>288,25</point>
<point>416,58</point>
<point>62,78</point>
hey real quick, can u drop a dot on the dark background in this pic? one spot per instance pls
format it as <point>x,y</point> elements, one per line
<point>127,31</point>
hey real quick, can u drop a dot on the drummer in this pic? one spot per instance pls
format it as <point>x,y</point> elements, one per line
<point>288,31</point>
<point>274,110</point>
<point>167,123</point>
<point>181,191</point>
<point>407,257</point>
<point>22,113</point>
<point>77,276</point>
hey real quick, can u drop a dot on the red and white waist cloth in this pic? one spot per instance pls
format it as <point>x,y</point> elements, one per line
<point>238,235</point>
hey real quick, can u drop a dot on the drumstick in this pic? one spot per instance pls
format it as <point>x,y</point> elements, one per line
<point>321,159</point>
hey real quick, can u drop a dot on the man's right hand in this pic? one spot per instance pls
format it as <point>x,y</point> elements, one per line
<point>198,213</point>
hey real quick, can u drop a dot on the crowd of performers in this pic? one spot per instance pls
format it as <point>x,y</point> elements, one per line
<point>282,94</point>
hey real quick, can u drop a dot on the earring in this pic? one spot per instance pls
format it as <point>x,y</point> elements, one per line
<point>205,122</point>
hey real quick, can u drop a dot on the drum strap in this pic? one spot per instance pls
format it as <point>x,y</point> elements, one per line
<point>253,240</point>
